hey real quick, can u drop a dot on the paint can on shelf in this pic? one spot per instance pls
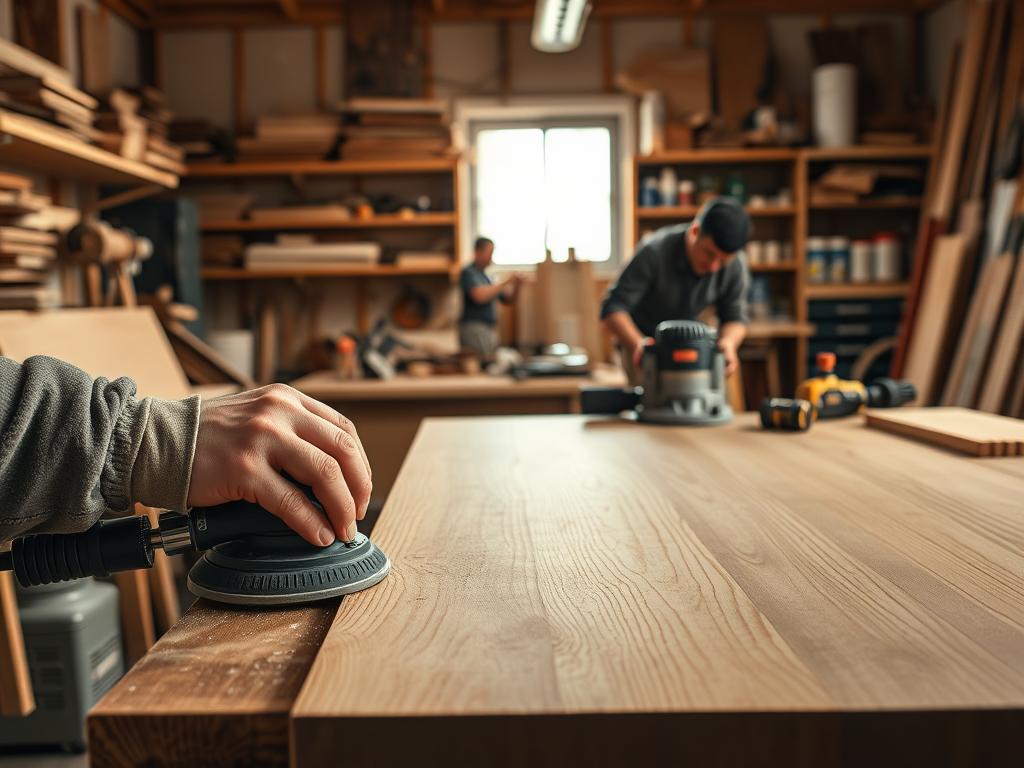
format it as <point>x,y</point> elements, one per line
<point>838,259</point>
<point>817,259</point>
<point>860,261</point>
<point>886,258</point>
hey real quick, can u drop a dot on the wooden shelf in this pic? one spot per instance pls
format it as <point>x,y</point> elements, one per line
<point>218,170</point>
<point>689,211</point>
<point>857,291</point>
<point>384,221</point>
<point>724,156</point>
<point>779,329</point>
<point>910,152</point>
<point>870,204</point>
<point>782,266</point>
<point>33,145</point>
<point>339,270</point>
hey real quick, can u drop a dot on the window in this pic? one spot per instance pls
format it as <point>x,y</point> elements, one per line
<point>546,186</point>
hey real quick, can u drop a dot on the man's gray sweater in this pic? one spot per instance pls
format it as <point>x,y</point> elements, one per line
<point>72,448</point>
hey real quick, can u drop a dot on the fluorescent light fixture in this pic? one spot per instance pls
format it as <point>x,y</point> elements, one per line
<point>558,24</point>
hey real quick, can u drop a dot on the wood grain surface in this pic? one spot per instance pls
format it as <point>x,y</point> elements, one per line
<point>215,690</point>
<point>960,429</point>
<point>572,589</point>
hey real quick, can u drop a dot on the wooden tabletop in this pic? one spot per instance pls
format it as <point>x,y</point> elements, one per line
<point>630,576</point>
<point>325,385</point>
<point>579,591</point>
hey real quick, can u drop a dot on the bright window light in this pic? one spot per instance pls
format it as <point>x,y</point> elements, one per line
<point>544,188</point>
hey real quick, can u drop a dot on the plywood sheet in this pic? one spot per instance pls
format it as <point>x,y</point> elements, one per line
<point>1006,350</point>
<point>960,429</point>
<point>109,342</point>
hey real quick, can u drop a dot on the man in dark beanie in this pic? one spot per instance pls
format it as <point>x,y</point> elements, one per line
<point>679,271</point>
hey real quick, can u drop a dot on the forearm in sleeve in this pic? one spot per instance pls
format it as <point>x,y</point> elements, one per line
<point>72,448</point>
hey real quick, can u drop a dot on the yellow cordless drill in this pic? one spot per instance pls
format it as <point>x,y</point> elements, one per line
<point>826,396</point>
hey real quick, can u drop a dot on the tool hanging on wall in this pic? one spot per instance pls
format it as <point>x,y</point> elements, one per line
<point>98,246</point>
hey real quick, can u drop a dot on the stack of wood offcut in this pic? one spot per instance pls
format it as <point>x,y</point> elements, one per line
<point>401,129</point>
<point>304,252</point>
<point>28,244</point>
<point>36,87</point>
<point>137,125</point>
<point>854,182</point>
<point>290,137</point>
<point>961,342</point>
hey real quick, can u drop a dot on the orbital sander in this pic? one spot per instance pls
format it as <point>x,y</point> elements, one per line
<point>251,556</point>
<point>683,380</point>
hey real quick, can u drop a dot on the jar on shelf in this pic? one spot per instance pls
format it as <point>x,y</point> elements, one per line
<point>772,252</point>
<point>736,188</point>
<point>707,188</point>
<point>668,185</point>
<point>838,259</point>
<point>650,197</point>
<point>687,192</point>
<point>860,261</point>
<point>755,252</point>
<point>817,259</point>
<point>887,258</point>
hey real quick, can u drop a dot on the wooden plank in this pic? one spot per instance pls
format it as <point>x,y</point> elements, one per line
<point>925,360</point>
<point>512,630</point>
<point>1006,349</point>
<point>959,429</point>
<point>215,690</point>
<point>1013,72</point>
<point>16,697</point>
<point>13,56</point>
<point>979,328</point>
<point>266,352</point>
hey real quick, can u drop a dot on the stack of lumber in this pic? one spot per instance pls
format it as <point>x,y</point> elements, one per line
<point>136,125</point>
<point>304,252</point>
<point>290,137</point>
<point>34,86</point>
<point>961,341</point>
<point>28,244</point>
<point>160,151</point>
<point>384,129</point>
<point>853,182</point>
<point>199,138</point>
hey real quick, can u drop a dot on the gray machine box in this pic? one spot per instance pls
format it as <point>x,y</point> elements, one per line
<point>73,642</point>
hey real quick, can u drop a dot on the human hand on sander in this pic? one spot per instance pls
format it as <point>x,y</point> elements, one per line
<point>727,343</point>
<point>246,440</point>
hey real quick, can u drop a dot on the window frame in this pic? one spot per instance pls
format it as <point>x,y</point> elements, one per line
<point>609,122</point>
<point>536,109</point>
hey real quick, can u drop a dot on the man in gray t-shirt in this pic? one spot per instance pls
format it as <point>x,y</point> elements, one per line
<point>679,271</point>
<point>478,325</point>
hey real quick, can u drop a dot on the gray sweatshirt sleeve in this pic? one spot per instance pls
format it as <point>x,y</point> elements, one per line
<point>72,448</point>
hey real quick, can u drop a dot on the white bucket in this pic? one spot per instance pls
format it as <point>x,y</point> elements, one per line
<point>835,105</point>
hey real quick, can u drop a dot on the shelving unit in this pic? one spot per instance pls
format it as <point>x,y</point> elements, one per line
<point>345,270</point>
<point>32,145</point>
<point>218,170</point>
<point>792,168</point>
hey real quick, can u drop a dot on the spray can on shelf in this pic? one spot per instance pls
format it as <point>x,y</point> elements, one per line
<point>668,186</point>
<point>817,259</point>
<point>838,259</point>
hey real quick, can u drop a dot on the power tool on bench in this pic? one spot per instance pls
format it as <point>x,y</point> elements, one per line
<point>252,557</point>
<point>826,396</point>
<point>683,380</point>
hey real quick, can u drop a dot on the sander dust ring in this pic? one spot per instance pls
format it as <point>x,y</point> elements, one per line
<point>251,556</point>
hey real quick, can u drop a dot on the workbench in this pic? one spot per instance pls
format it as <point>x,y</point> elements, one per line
<point>387,413</point>
<point>587,591</point>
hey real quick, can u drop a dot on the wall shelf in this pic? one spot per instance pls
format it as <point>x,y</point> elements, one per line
<point>219,170</point>
<point>908,152</point>
<point>871,204</point>
<point>727,155</point>
<point>383,221</point>
<point>689,211</point>
<point>857,291</point>
<point>332,270</point>
<point>781,266</point>
<point>34,145</point>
